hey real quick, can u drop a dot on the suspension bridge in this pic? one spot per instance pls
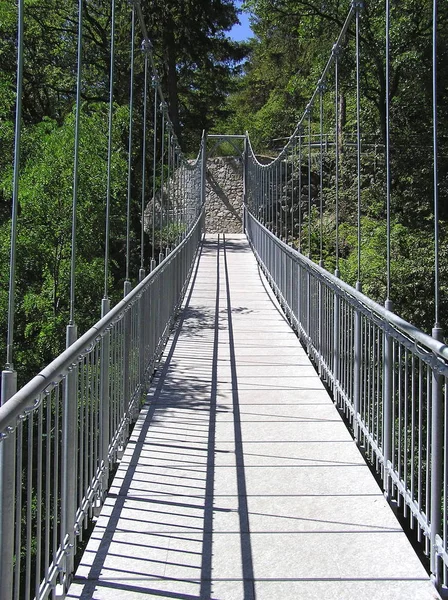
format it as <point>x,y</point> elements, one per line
<point>243,423</point>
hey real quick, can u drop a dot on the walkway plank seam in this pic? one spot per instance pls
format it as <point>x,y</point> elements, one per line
<point>240,480</point>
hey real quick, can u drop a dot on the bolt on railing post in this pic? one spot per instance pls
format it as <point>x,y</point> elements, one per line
<point>357,370</point>
<point>105,399</point>
<point>69,459</point>
<point>7,495</point>
<point>437,450</point>
<point>387,404</point>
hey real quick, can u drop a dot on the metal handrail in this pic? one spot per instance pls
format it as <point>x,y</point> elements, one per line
<point>23,400</point>
<point>417,336</point>
<point>386,377</point>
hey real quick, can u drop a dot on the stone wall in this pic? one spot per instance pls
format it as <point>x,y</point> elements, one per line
<point>224,195</point>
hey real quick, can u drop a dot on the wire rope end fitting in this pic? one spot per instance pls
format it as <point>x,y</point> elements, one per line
<point>321,86</point>
<point>147,46</point>
<point>155,82</point>
<point>163,107</point>
<point>336,50</point>
<point>358,5</point>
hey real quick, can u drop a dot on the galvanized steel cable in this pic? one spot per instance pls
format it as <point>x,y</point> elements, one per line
<point>76,165</point>
<point>155,82</point>
<point>162,159</point>
<point>436,168</point>
<point>358,6</point>
<point>131,125</point>
<point>109,151</point>
<point>15,193</point>
<point>388,167</point>
<point>321,170</point>
<point>146,49</point>
<point>309,112</point>
<point>336,51</point>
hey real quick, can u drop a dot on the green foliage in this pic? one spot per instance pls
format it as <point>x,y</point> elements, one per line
<point>44,230</point>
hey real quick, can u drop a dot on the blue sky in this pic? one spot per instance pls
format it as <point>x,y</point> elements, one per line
<point>243,31</point>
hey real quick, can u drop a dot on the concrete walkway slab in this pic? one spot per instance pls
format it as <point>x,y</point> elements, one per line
<point>241,480</point>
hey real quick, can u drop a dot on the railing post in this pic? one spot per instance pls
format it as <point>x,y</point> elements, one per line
<point>126,357</point>
<point>336,334</point>
<point>105,400</point>
<point>321,322</point>
<point>357,370</point>
<point>245,180</point>
<point>436,462</point>
<point>308,310</point>
<point>69,459</point>
<point>387,405</point>
<point>7,494</point>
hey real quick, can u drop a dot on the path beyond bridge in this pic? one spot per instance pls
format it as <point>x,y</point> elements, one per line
<point>240,480</point>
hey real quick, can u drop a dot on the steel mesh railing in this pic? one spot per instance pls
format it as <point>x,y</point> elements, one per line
<point>61,434</point>
<point>386,376</point>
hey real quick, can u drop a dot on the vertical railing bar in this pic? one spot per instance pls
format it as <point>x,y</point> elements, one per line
<point>29,498</point>
<point>420,449</point>
<point>429,382</point>
<point>18,510</point>
<point>38,539</point>
<point>48,479</point>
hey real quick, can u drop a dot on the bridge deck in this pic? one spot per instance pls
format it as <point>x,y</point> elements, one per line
<point>240,480</point>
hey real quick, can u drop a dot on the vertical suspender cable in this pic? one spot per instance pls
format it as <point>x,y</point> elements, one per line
<point>9,376</point>
<point>145,48</point>
<point>436,171</point>
<point>162,158</point>
<point>109,150</point>
<point>388,172</point>
<point>154,169</point>
<point>293,187</point>
<point>300,133</point>
<point>321,169</point>
<point>15,193</point>
<point>437,384</point>
<point>358,6</point>
<point>309,109</point>
<point>336,154</point>
<point>168,183</point>
<point>76,167</point>
<point>131,124</point>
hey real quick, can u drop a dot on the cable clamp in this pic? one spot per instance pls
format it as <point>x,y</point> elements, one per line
<point>155,81</point>
<point>358,4</point>
<point>336,50</point>
<point>321,86</point>
<point>146,45</point>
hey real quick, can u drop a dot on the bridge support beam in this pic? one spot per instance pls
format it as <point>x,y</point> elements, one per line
<point>7,495</point>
